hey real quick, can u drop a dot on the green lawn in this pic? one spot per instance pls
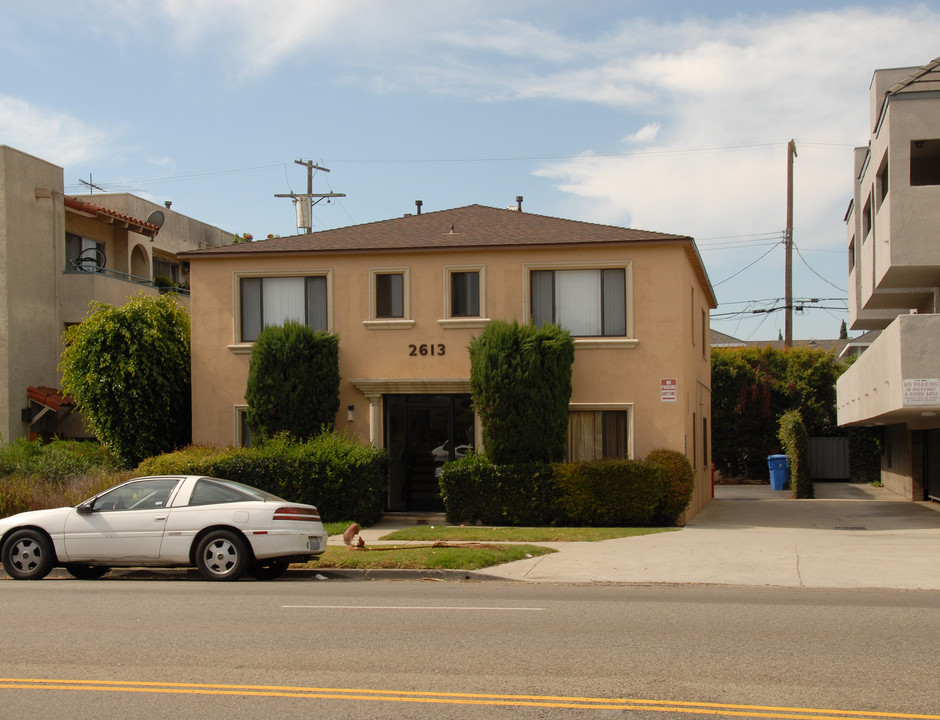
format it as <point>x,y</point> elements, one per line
<point>461,547</point>
<point>425,557</point>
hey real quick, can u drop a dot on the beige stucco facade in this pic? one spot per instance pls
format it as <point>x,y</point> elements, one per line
<point>893,227</point>
<point>58,253</point>
<point>424,353</point>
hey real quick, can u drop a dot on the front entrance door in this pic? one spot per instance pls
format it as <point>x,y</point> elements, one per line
<point>422,432</point>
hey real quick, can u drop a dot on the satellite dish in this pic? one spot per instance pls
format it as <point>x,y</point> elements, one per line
<point>156,218</point>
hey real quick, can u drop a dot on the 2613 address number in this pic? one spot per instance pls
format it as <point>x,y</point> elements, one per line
<point>422,350</point>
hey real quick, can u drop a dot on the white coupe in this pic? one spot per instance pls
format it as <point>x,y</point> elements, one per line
<point>221,527</point>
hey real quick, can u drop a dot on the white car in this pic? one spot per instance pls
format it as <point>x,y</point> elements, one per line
<point>221,527</point>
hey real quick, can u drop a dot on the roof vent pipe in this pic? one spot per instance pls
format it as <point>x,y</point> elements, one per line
<point>519,203</point>
<point>418,204</point>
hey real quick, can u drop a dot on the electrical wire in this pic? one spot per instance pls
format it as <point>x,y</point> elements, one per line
<point>816,273</point>
<point>714,285</point>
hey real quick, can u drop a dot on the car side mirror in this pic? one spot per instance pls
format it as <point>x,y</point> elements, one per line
<point>84,509</point>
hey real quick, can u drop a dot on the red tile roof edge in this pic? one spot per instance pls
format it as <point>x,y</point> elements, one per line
<point>144,227</point>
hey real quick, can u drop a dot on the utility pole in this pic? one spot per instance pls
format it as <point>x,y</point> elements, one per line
<point>305,201</point>
<point>788,334</point>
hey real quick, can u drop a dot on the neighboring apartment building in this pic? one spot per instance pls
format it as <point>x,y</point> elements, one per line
<point>57,254</point>
<point>406,296</point>
<point>894,279</point>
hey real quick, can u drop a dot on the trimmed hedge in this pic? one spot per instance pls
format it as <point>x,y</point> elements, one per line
<point>473,488</point>
<point>605,493</point>
<point>345,479</point>
<point>678,483</point>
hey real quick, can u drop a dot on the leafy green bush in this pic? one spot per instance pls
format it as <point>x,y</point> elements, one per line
<point>678,482</point>
<point>34,475</point>
<point>520,379</point>
<point>795,442</point>
<point>293,381</point>
<point>341,476</point>
<point>128,370</point>
<point>607,493</point>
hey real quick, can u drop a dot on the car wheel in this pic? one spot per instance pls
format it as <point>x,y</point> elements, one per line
<point>268,569</point>
<point>87,572</point>
<point>28,555</point>
<point>222,555</point>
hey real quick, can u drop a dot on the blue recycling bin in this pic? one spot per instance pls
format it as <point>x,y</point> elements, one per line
<point>779,471</point>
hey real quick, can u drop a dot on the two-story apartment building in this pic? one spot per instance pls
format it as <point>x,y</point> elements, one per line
<point>893,226</point>
<point>57,254</point>
<point>406,296</point>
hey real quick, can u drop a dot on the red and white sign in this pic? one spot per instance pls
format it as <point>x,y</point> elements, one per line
<point>921,391</point>
<point>669,390</point>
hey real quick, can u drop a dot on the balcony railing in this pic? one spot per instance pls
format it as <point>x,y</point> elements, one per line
<point>80,267</point>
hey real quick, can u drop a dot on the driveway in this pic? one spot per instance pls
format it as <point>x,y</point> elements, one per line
<point>850,536</point>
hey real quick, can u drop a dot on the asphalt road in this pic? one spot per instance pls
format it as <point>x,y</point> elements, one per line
<point>420,649</point>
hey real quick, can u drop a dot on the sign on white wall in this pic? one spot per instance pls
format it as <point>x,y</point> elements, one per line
<point>921,391</point>
<point>669,390</point>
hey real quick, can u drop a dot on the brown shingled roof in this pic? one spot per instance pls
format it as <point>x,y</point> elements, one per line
<point>470,226</point>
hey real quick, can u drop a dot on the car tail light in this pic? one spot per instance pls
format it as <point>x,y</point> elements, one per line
<point>297,513</point>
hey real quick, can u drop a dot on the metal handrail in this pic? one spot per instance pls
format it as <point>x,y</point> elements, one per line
<point>73,268</point>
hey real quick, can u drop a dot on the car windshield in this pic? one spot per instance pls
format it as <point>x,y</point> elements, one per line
<point>209,491</point>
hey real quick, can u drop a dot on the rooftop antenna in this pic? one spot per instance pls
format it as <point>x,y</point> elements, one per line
<point>91,186</point>
<point>304,201</point>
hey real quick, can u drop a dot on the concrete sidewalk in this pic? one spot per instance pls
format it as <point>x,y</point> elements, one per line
<point>850,536</point>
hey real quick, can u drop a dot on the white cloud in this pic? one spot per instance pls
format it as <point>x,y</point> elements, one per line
<point>55,136</point>
<point>645,134</point>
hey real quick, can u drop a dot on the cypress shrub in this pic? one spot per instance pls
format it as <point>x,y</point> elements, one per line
<point>678,481</point>
<point>520,379</point>
<point>293,381</point>
<point>795,441</point>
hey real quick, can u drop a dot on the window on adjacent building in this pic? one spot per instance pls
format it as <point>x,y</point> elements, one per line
<point>166,269</point>
<point>866,218</point>
<point>925,162</point>
<point>465,294</point>
<point>587,303</point>
<point>881,182</point>
<point>83,253</point>
<point>597,434</point>
<point>851,254</point>
<point>389,295</point>
<point>275,300</point>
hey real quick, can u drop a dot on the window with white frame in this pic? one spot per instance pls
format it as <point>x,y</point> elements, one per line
<point>465,293</point>
<point>589,302</point>
<point>268,301</point>
<point>598,434</point>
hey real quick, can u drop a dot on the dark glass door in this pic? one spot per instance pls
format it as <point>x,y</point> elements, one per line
<point>422,433</point>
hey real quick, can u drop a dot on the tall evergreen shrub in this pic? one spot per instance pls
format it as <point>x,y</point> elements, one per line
<point>795,441</point>
<point>293,382</point>
<point>520,379</point>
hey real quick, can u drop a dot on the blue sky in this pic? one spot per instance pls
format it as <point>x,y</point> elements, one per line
<point>665,116</point>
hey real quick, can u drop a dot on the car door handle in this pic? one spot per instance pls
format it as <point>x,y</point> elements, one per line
<point>159,518</point>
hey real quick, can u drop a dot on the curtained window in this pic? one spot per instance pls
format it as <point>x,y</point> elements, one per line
<point>587,303</point>
<point>275,300</point>
<point>597,434</point>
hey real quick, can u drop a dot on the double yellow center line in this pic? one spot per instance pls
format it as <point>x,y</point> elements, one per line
<point>492,700</point>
